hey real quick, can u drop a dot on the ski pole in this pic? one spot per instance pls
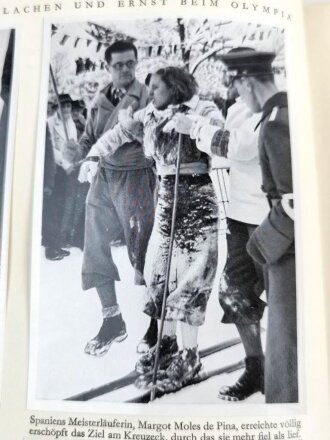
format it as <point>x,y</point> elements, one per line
<point>58,101</point>
<point>168,268</point>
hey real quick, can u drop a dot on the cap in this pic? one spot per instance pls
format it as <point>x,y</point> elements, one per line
<point>78,104</point>
<point>65,98</point>
<point>245,61</point>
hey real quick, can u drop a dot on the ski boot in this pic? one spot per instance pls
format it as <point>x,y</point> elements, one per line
<point>250,382</point>
<point>112,329</point>
<point>168,349</point>
<point>183,368</point>
<point>149,339</point>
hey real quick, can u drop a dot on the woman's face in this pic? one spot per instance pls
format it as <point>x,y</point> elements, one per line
<point>160,94</point>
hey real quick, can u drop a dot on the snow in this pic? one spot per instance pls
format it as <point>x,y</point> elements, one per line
<point>69,317</point>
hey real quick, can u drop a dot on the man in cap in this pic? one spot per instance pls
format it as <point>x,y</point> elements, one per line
<point>121,197</point>
<point>272,243</point>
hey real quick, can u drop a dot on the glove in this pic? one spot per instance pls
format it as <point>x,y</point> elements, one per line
<point>182,123</point>
<point>88,171</point>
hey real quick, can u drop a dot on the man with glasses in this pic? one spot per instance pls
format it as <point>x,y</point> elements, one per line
<point>121,197</point>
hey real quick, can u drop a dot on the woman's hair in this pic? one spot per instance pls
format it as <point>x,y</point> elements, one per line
<point>182,83</point>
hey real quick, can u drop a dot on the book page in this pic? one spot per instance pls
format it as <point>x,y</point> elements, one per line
<point>65,374</point>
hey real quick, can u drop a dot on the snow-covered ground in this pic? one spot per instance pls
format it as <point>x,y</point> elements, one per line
<point>69,317</point>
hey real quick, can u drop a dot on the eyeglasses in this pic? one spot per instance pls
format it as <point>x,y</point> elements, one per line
<point>120,66</point>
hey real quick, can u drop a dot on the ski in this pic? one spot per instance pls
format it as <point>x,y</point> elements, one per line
<point>130,378</point>
<point>201,377</point>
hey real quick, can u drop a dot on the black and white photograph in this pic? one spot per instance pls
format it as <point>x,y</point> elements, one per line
<point>163,256</point>
<point>8,92</point>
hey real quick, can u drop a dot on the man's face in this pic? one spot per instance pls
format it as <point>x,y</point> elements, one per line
<point>232,92</point>
<point>66,109</point>
<point>246,89</point>
<point>122,68</point>
<point>159,93</point>
<point>75,113</point>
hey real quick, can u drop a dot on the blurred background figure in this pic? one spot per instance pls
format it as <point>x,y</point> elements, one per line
<point>73,222</point>
<point>51,108</point>
<point>55,218</point>
<point>78,109</point>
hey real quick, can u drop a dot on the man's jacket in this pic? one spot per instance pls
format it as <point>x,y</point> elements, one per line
<point>104,116</point>
<point>275,236</point>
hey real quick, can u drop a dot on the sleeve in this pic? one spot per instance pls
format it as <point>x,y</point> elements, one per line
<point>88,138</point>
<point>208,128</point>
<point>114,138</point>
<point>213,140</point>
<point>139,115</point>
<point>272,239</point>
<point>243,141</point>
<point>240,144</point>
<point>137,131</point>
<point>110,141</point>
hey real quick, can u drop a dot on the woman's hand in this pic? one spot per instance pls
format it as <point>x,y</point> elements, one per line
<point>183,123</point>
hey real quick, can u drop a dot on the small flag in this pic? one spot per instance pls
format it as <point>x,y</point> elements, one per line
<point>64,40</point>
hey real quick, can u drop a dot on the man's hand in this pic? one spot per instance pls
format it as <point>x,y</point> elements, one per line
<point>125,118</point>
<point>87,171</point>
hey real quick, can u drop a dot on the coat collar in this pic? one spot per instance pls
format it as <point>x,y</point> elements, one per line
<point>280,99</point>
<point>192,103</point>
<point>135,90</point>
